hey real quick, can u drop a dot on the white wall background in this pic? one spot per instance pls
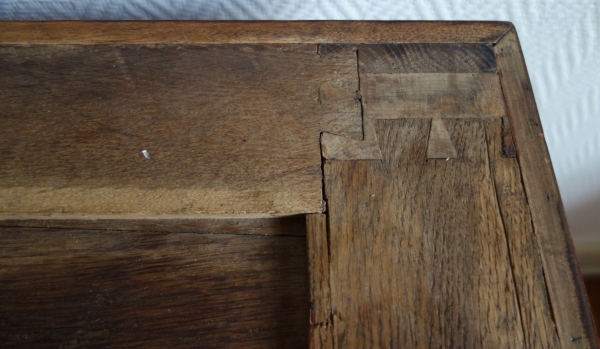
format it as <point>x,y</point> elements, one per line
<point>560,40</point>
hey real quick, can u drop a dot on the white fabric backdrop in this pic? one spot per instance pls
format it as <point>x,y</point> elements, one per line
<point>560,40</point>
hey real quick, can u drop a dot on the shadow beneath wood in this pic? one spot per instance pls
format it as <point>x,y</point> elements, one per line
<point>584,220</point>
<point>72,287</point>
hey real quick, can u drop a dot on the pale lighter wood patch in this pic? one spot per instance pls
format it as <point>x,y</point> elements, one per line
<point>431,95</point>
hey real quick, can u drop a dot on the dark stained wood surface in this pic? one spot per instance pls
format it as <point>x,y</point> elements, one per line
<point>444,227</point>
<point>566,291</point>
<point>227,129</point>
<point>426,58</point>
<point>248,32</point>
<point>291,225</point>
<point>115,289</point>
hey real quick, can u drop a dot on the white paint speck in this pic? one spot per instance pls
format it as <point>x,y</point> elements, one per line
<point>447,159</point>
<point>145,153</point>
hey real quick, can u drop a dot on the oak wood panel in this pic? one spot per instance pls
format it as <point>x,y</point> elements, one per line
<point>340,108</point>
<point>81,288</point>
<point>536,314</point>
<point>424,252</point>
<point>228,129</point>
<point>346,145</point>
<point>426,58</point>
<point>508,145</point>
<point>320,335</point>
<point>565,286</point>
<point>439,143</point>
<point>342,118</point>
<point>435,95</point>
<point>248,32</point>
<point>418,253</point>
<point>291,225</point>
<point>336,147</point>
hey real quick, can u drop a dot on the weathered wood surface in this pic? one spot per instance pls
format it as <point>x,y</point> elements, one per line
<point>115,289</point>
<point>310,32</point>
<point>439,143</point>
<point>418,252</point>
<point>228,129</point>
<point>320,335</point>
<point>357,141</point>
<point>344,148</point>
<point>444,225</point>
<point>426,58</point>
<point>566,291</point>
<point>431,95</point>
<point>536,313</point>
<point>290,225</point>
<point>340,107</point>
<point>434,245</point>
<point>415,81</point>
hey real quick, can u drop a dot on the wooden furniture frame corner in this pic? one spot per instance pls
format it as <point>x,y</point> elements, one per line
<point>562,282</point>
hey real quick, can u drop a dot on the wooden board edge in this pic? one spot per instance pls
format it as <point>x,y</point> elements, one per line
<point>294,225</point>
<point>248,32</point>
<point>509,28</point>
<point>150,217</point>
<point>321,324</point>
<point>564,282</point>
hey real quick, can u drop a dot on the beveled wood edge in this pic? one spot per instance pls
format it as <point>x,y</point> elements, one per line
<point>16,217</point>
<point>248,32</point>
<point>526,155</point>
<point>292,225</point>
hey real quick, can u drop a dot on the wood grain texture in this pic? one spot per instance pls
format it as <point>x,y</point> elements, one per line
<point>79,288</point>
<point>536,314</point>
<point>508,145</point>
<point>418,253</point>
<point>292,225</point>
<point>435,95</point>
<point>228,129</point>
<point>336,147</point>
<point>426,58</point>
<point>341,112</point>
<point>436,235</point>
<point>248,32</point>
<point>439,143</point>
<point>360,144</point>
<point>342,117</point>
<point>320,336</point>
<point>565,287</point>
